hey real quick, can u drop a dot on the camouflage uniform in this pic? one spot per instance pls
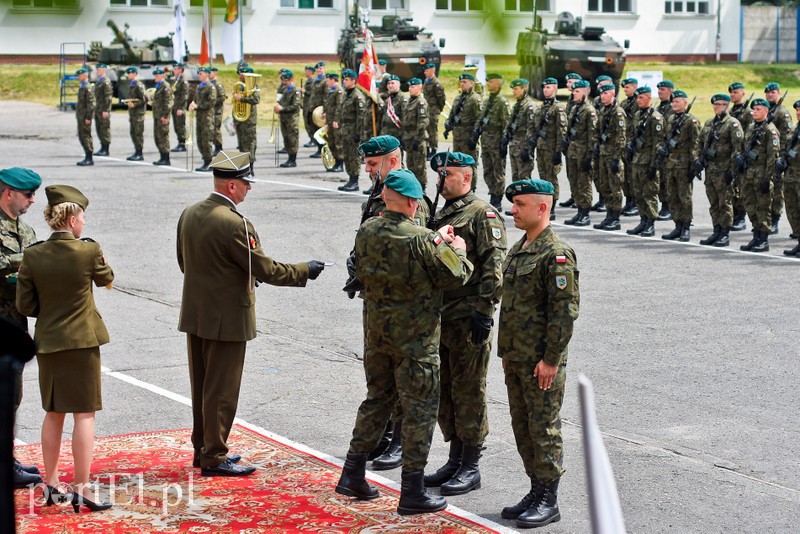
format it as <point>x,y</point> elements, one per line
<point>433,90</point>
<point>103,98</point>
<point>246,133</point>
<point>84,110</point>
<point>645,180</point>
<point>290,122</point>
<point>540,303</point>
<point>136,114</point>
<point>351,123</point>
<point>415,136</point>
<point>466,120</point>
<point>494,119</point>
<point>180,95</point>
<point>551,120</point>
<point>403,268</point>
<point>630,108</point>
<point>517,134</point>
<point>331,107</point>
<point>308,89</point>
<point>219,109</point>
<point>744,115</point>
<point>665,108</point>
<point>579,154</point>
<point>760,169</point>
<point>612,148</point>
<point>462,404</point>
<point>162,108</point>
<point>791,181</point>
<point>782,120</point>
<point>727,142</point>
<point>678,166</point>
<point>387,125</point>
<point>205,97</point>
<point>318,92</point>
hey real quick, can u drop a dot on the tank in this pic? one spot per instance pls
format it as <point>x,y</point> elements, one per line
<point>588,51</point>
<point>405,47</point>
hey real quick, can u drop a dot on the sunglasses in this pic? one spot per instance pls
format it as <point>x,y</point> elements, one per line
<point>28,194</point>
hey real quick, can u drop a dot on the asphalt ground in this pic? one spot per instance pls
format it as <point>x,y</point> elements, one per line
<point>692,350</point>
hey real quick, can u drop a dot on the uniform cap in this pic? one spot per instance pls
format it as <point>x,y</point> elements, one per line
<point>348,73</point>
<point>177,64</point>
<point>214,69</point>
<point>101,66</point>
<point>677,93</point>
<point>131,69</point>
<point>772,86</point>
<point>404,182</point>
<point>493,76</point>
<point>381,62</point>
<point>579,84</point>
<point>308,67</point>
<point>287,74</point>
<point>602,78</point>
<point>414,81</point>
<point>573,76</point>
<point>642,90</point>
<point>626,81</point>
<point>232,164</point>
<point>57,194</point>
<point>205,69</point>
<point>20,179</point>
<point>454,159</point>
<point>393,78</point>
<point>158,71</point>
<point>245,70</point>
<point>760,102</point>
<point>332,76</point>
<point>319,64</point>
<point>735,85</point>
<point>470,66</point>
<point>549,81</point>
<point>604,88</point>
<point>530,186</point>
<point>519,82</point>
<point>378,146</point>
<point>81,71</point>
<point>796,104</point>
<point>429,66</point>
<point>666,83</point>
<point>720,96</point>
<point>466,76</point>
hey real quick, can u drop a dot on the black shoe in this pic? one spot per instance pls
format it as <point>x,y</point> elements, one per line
<point>232,458</point>
<point>739,222</point>
<point>180,147</point>
<point>23,479</point>
<point>723,240</point>
<point>86,161</point>
<point>446,472</point>
<point>569,203</point>
<point>383,444</point>
<point>27,468</point>
<point>339,167</point>
<point>602,224</point>
<point>685,232</point>
<point>674,234</point>
<point>79,500</point>
<point>204,167</point>
<point>664,214</point>
<point>414,499</point>
<point>317,154</point>
<point>291,162</point>
<point>284,151</point>
<point>613,221</point>
<point>352,482</point>
<point>630,209</point>
<point>794,251</point>
<point>792,236</point>
<point>513,512</point>
<point>164,160</point>
<point>599,206</point>
<point>227,469</point>
<point>468,477</point>
<point>649,230</point>
<point>311,143</point>
<point>763,243</point>
<point>53,496</point>
<point>636,230</point>
<point>584,219</point>
<point>773,229</point>
<point>393,455</point>
<point>136,156</point>
<point>216,150</point>
<point>350,186</point>
<point>367,191</point>
<point>752,242</point>
<point>710,240</point>
<point>572,220</point>
<point>103,151</point>
<point>544,511</point>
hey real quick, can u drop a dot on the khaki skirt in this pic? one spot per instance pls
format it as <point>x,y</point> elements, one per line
<point>69,381</point>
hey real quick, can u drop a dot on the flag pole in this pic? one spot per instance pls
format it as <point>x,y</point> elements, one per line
<point>210,26</point>
<point>241,33</point>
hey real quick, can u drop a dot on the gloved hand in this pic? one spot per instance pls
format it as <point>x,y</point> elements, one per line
<point>781,164</point>
<point>556,159</point>
<point>614,164</point>
<point>446,132</point>
<point>763,187</point>
<point>415,144</point>
<point>314,268</point>
<point>698,164</point>
<point>525,155</point>
<point>663,152</point>
<point>741,161</point>
<point>480,327</point>
<point>586,164</point>
<point>472,144</point>
<point>503,149</point>
<point>564,146</point>
<point>652,173</point>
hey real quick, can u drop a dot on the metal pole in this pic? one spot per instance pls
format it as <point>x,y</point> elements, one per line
<point>719,34</point>
<point>241,32</point>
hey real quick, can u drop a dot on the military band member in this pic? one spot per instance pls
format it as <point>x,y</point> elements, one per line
<point>246,131</point>
<point>204,98</point>
<point>317,99</point>
<point>783,122</point>
<point>103,99</point>
<point>569,79</point>
<point>330,112</point>
<point>391,108</point>
<point>136,111</point>
<point>648,134</point>
<point>740,110</point>
<point>351,122</point>
<point>629,86</point>
<point>489,130</point>
<point>609,151</point>
<point>665,89</point>
<point>162,109</point>
<point>790,164</point>
<point>414,130</point>
<point>306,91</point>
<point>288,108</point>
<point>464,116</point>
<point>581,132</point>
<point>433,90</point>
<point>219,108</point>
<point>516,136</point>
<point>84,112</point>
<point>180,103</point>
<point>547,129</point>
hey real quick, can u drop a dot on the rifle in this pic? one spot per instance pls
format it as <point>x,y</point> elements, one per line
<point>747,154</point>
<point>512,125</point>
<point>455,115</point>
<point>707,153</point>
<point>484,120</point>
<point>636,142</point>
<point>786,158</point>
<point>573,121</point>
<point>665,150</point>
<point>439,185</point>
<point>544,121</point>
<point>771,113</point>
<point>602,137</point>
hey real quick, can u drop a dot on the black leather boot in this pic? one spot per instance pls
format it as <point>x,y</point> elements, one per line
<point>636,230</point>
<point>572,220</point>
<point>352,482</point>
<point>136,156</point>
<point>773,229</point>
<point>163,160</point>
<point>763,242</point>
<point>217,148</point>
<point>513,512</point>
<point>291,162</point>
<point>675,233</point>
<point>204,167</point>
<point>103,151</point>
<point>86,161</point>
<point>739,223</point>
<point>318,153</point>
<point>685,231</point>
<point>544,511</point>
<point>752,242</point>
<point>386,439</point>
<point>339,167</point>
<point>600,205</point>
<point>710,240</point>
<point>284,151</point>
<point>414,499</point>
<point>650,229</point>
<point>613,221</point>
<point>180,147</point>
<point>793,251</point>
<point>350,186</point>
<point>584,219</point>
<point>468,476</point>
<point>446,472</point>
<point>22,478</point>
<point>569,203</point>
<point>630,209</point>
<point>311,142</point>
<point>393,455</point>
<point>664,214</point>
<point>723,240</point>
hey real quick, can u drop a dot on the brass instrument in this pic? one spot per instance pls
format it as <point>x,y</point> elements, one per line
<point>448,108</point>
<point>149,95</point>
<point>321,137</point>
<point>241,111</point>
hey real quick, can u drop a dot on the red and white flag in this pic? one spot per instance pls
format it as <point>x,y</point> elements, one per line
<point>391,112</point>
<point>369,73</point>
<point>206,50</point>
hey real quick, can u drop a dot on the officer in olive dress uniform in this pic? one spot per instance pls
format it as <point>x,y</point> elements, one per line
<point>403,269</point>
<point>740,110</point>
<point>629,86</point>
<point>219,108</point>
<point>719,141</point>
<point>220,256</point>
<point>84,113</point>
<point>608,159</point>
<point>464,116</point>
<point>352,125</point>
<point>489,131</point>
<point>136,112</point>
<point>391,109</point>
<point>414,131</point>
<point>783,122</point>
<point>17,192</point>
<point>162,110</point>
<point>467,320</point>
<point>288,109</point>
<point>433,90</point>
<point>540,303</point>
<point>306,91</point>
<point>330,111</point>
<point>581,138</point>
<point>516,136</point>
<point>789,163</point>
<point>246,131</point>
<point>180,95</point>
<point>204,98</point>
<point>665,89</point>
<point>103,99</point>
<point>547,129</point>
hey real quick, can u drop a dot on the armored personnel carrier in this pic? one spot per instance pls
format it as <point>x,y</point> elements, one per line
<point>588,51</point>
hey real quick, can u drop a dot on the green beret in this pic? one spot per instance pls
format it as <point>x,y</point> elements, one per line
<point>602,78</point>
<point>158,71</point>
<point>530,186</point>
<point>381,62</point>
<point>20,179</point>
<point>57,194</point>
<point>666,83</point>
<point>245,70</point>
<point>214,69</point>
<point>549,81</point>
<point>205,69</point>
<point>604,88</point>
<point>735,85</point>
<point>626,81</point>
<point>287,74</point>
<point>573,76</point>
<point>772,86</point>
<point>378,146</point>
<point>796,104</point>
<point>319,64</point>
<point>177,64</point>
<point>579,84</point>
<point>470,66</point>
<point>393,78</point>
<point>760,102</point>
<point>454,159</point>
<point>308,67</point>
<point>101,66</point>
<point>677,93</point>
<point>332,76</point>
<point>131,69</point>
<point>493,76</point>
<point>519,82</point>
<point>404,182</point>
<point>81,71</point>
<point>232,164</point>
<point>466,76</point>
<point>720,96</point>
<point>414,81</point>
<point>642,90</point>
<point>349,73</point>
<point>429,66</point>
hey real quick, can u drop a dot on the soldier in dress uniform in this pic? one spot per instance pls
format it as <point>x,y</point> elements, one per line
<point>330,111</point>
<point>516,136</point>
<point>219,108</point>
<point>414,121</point>
<point>136,111</point>
<point>84,112</point>
<point>629,86</point>
<point>665,89</point>
<point>540,303</point>
<point>489,131</point>
<point>246,131</point>
<point>288,108</point>
<point>391,108</point>
<point>317,99</point>
<point>783,122</point>
<point>180,103</point>
<point>608,153</point>
<point>789,163</point>
<point>467,320</point>
<point>306,91</point>
<point>581,133</point>
<point>162,110</point>
<point>740,110</point>
<point>204,98</point>
<point>433,90</point>
<point>569,80</point>
<point>547,129</point>
<point>351,122</point>
<point>464,116</point>
<point>103,99</point>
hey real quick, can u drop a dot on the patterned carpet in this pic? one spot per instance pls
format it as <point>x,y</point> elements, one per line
<point>150,478</point>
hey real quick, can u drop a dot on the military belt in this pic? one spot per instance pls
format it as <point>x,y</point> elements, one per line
<point>466,291</point>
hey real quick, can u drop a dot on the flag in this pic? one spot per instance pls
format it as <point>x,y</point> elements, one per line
<point>391,112</point>
<point>179,39</point>
<point>206,50</point>
<point>232,33</point>
<point>369,75</point>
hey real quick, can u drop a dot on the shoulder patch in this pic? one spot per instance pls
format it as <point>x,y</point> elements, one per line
<point>561,281</point>
<point>622,123</point>
<point>436,238</point>
<point>561,258</point>
<point>490,214</point>
<point>657,118</point>
<point>735,124</point>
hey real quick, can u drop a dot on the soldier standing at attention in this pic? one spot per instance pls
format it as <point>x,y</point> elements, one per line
<point>569,80</point>
<point>433,90</point>
<point>600,205</point>
<point>246,133</point>
<point>516,136</point>
<point>547,129</point>
<point>351,122</point>
<point>330,112</point>
<point>740,110</point>
<point>392,108</point>
<point>103,97</point>
<point>628,105</point>
<point>204,98</point>
<point>718,143</point>
<point>489,130</point>
<point>665,89</point>
<point>318,99</point>
<point>288,109</point>
<point>791,166</point>
<point>180,103</point>
<point>162,109</point>
<point>648,134</point>
<point>308,88</point>
<point>383,89</point>
<point>464,116</point>
<point>540,303</point>
<point>84,112</point>
<point>219,108</point>
<point>608,152</point>
<point>467,319</point>
<point>684,129</point>
<point>414,121</point>
<point>581,137</point>
<point>404,268</point>
<point>783,122</point>
<point>136,111</point>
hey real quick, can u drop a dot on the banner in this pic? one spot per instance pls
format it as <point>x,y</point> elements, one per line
<point>179,39</point>
<point>206,51</point>
<point>232,33</point>
<point>369,75</point>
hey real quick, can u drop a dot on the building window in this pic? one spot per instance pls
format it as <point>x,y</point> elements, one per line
<point>526,6</point>
<point>690,8</point>
<point>459,5</point>
<point>47,4</point>
<point>611,6</point>
<point>140,3</point>
<point>382,5</point>
<point>302,4</point>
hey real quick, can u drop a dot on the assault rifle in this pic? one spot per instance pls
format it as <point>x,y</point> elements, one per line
<point>455,115</point>
<point>602,138</point>
<point>786,158</point>
<point>636,143</point>
<point>708,152</point>
<point>748,154</point>
<point>771,114</point>
<point>439,185</point>
<point>544,121</point>
<point>512,125</point>
<point>478,131</point>
<point>573,121</point>
<point>665,150</point>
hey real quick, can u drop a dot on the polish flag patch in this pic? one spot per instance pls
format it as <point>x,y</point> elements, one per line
<point>561,259</point>
<point>437,239</point>
<point>490,214</point>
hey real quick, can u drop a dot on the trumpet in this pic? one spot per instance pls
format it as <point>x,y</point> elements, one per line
<point>241,110</point>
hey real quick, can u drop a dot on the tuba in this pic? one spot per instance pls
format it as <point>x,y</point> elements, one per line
<point>241,111</point>
<point>149,96</point>
<point>321,137</point>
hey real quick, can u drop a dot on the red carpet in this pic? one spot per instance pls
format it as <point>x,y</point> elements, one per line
<point>150,478</point>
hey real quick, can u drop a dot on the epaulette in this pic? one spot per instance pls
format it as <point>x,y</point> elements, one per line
<point>88,240</point>
<point>34,244</point>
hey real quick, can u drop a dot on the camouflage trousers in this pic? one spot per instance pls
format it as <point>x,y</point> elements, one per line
<point>547,171</point>
<point>663,187</point>
<point>627,183</point>
<point>137,129</point>
<point>645,190</point>
<point>461,139</point>
<point>218,129</point>
<point>580,182</point>
<point>433,131</point>
<point>777,199</point>
<point>520,170</point>
<point>205,134</point>
<point>391,376</point>
<point>680,192</point>
<point>494,166</point>
<point>720,199</point>
<point>416,161</point>
<point>609,183</point>
<point>290,131</point>
<point>462,400</point>
<point>308,125</point>
<point>85,136</point>
<point>334,137</point>
<point>103,127</point>
<point>536,419</point>
<point>350,141</point>
<point>246,138</point>
<point>791,194</point>
<point>757,204</point>
<point>161,135</point>
<point>179,123</point>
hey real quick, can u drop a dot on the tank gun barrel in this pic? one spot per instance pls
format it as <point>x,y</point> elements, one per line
<point>133,57</point>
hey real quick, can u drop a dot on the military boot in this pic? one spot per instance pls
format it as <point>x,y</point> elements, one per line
<point>613,222</point>
<point>103,151</point>
<point>87,160</point>
<point>793,251</point>
<point>446,472</point>
<point>553,212</point>
<point>350,186</point>
<point>602,224</point>
<point>386,439</point>
<point>763,242</point>
<point>513,512</point>
<point>630,209</point>
<point>291,162</point>
<point>739,223</point>
<point>685,232</point>
<point>414,499</point>
<point>574,219</point>
<point>468,477</point>
<point>723,240</point>
<point>318,153</point>
<point>352,482</point>
<point>649,230</point>
<point>136,156</point>
<point>180,147</point>
<point>498,202</point>
<point>22,478</point>
<point>569,203</point>
<point>368,191</point>
<point>752,242</point>
<point>600,205</point>
<point>164,160</point>
<point>710,240</point>
<point>664,214</point>
<point>204,167</point>
<point>636,230</point>
<point>393,455</point>
<point>584,219</point>
<point>544,511</point>
<point>675,233</point>
<point>217,149</point>
<point>311,142</point>
<point>284,151</point>
<point>338,167</point>
<point>773,229</point>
